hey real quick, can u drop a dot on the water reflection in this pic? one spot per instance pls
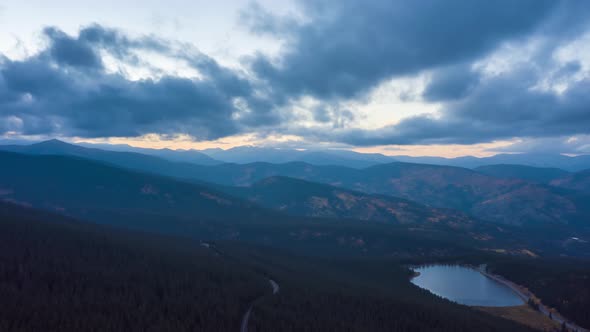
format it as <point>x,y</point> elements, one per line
<point>465,286</point>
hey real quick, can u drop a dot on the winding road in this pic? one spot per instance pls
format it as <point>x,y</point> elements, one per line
<point>273,284</point>
<point>246,317</point>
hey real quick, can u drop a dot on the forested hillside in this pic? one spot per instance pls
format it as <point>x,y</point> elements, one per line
<point>529,173</point>
<point>305,198</point>
<point>560,283</point>
<point>107,194</point>
<point>576,181</point>
<point>506,201</point>
<point>328,294</point>
<point>119,197</point>
<point>61,275</point>
<point>507,194</point>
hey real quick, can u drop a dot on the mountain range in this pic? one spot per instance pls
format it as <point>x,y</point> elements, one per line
<point>83,221</point>
<point>102,193</point>
<point>239,200</point>
<point>335,157</point>
<point>105,194</point>
<point>247,154</point>
<point>507,194</point>
<point>311,199</point>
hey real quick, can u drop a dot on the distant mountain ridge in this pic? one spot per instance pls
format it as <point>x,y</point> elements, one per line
<point>245,155</point>
<point>129,160</point>
<point>99,192</point>
<point>186,156</point>
<point>250,154</point>
<point>93,191</point>
<point>572,164</point>
<point>334,157</point>
<point>500,199</point>
<point>96,151</point>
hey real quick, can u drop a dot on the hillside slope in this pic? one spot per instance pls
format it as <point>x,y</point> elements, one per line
<point>150,163</point>
<point>503,200</point>
<point>529,173</point>
<point>509,201</point>
<point>62,275</point>
<point>311,199</point>
<point>577,181</point>
<point>102,193</point>
<point>506,201</point>
<point>105,194</point>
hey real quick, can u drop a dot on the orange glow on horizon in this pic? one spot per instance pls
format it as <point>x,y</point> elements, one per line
<point>185,142</point>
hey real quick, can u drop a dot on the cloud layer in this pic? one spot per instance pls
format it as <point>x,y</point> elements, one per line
<point>67,90</point>
<point>338,53</point>
<point>350,46</point>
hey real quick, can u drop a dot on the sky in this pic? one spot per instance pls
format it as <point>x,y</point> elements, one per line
<point>431,77</point>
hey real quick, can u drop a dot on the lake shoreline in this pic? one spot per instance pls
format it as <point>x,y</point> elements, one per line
<point>526,294</point>
<point>464,285</point>
<point>520,291</point>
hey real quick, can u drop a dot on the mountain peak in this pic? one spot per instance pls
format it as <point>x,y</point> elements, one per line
<point>54,146</point>
<point>52,142</point>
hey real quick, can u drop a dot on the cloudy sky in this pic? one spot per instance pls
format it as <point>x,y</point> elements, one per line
<point>430,77</point>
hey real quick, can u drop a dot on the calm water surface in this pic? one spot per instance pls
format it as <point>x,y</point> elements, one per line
<point>465,286</point>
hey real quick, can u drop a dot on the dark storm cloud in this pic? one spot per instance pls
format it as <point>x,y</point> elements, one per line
<point>453,82</point>
<point>501,107</point>
<point>349,46</point>
<point>66,50</point>
<point>120,45</point>
<point>83,50</point>
<point>338,52</point>
<point>65,90</point>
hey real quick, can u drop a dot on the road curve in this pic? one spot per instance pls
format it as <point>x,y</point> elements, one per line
<point>275,286</point>
<point>246,317</point>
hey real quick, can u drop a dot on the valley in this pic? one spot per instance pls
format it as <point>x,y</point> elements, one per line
<point>331,247</point>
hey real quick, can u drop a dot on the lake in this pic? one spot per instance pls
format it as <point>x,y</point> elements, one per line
<point>465,286</point>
